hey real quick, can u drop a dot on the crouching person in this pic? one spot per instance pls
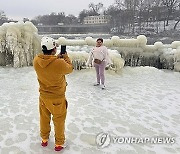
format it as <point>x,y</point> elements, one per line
<point>51,71</point>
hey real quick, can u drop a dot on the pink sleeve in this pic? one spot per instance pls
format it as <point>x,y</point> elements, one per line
<point>107,57</point>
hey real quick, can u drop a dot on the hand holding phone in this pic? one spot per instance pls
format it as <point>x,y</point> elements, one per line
<point>63,49</point>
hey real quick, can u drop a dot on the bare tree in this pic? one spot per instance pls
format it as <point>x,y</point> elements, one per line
<point>131,6</point>
<point>148,10</point>
<point>170,6</point>
<point>95,7</point>
<point>55,18</point>
<point>177,17</point>
<point>3,17</point>
<point>141,6</point>
<point>71,19</point>
<point>114,12</point>
<point>178,21</point>
<point>155,8</point>
<point>82,15</point>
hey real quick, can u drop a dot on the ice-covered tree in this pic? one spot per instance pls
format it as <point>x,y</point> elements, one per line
<point>19,43</point>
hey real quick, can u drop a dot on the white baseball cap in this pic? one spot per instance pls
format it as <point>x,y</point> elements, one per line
<point>48,42</point>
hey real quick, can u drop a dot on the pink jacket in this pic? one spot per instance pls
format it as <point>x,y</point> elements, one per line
<point>100,53</point>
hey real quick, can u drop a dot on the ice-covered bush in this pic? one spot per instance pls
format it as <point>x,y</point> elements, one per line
<point>177,60</point>
<point>79,59</point>
<point>19,43</point>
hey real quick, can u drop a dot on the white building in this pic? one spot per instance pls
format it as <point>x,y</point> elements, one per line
<point>101,19</point>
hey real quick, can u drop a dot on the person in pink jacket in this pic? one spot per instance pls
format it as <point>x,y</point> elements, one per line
<point>99,58</point>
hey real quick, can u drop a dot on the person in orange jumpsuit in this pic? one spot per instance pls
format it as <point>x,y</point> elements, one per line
<point>51,71</point>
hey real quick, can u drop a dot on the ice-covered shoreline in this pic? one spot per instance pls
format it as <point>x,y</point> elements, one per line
<point>20,42</point>
<point>138,102</point>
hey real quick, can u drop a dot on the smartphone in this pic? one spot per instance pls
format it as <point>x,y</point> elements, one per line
<point>63,49</point>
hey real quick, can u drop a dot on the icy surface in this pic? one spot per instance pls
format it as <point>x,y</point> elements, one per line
<point>138,102</point>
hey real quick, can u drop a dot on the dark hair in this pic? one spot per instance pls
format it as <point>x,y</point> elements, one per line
<point>45,51</point>
<point>100,39</point>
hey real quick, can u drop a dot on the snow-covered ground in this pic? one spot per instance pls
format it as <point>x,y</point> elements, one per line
<point>138,102</point>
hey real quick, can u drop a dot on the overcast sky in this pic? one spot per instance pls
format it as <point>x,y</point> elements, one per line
<point>18,9</point>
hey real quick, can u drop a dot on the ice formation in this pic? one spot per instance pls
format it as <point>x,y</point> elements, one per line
<point>20,42</point>
<point>80,58</point>
<point>136,52</point>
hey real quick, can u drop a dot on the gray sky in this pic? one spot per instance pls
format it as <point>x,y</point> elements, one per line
<point>18,9</point>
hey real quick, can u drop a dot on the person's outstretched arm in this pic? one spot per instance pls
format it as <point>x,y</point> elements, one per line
<point>107,57</point>
<point>89,61</point>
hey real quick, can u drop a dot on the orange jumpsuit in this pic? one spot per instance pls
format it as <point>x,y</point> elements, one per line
<point>51,73</point>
